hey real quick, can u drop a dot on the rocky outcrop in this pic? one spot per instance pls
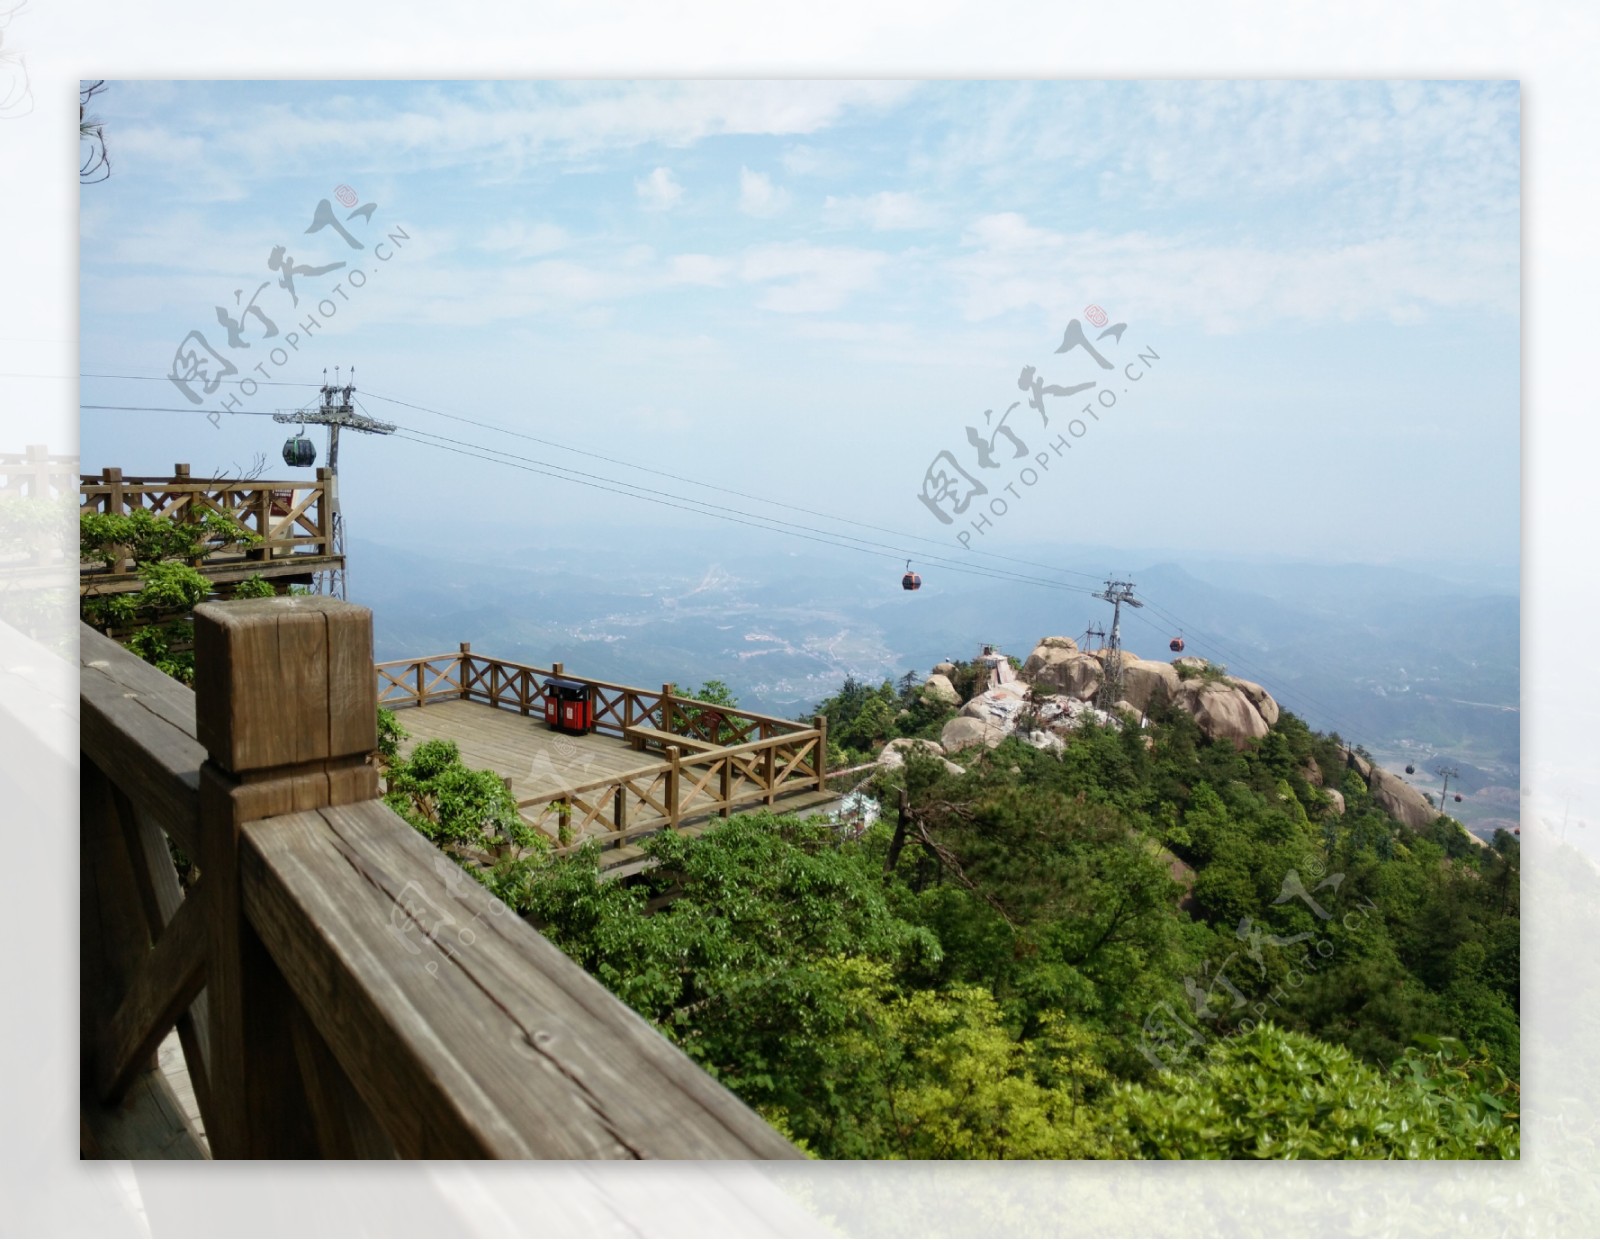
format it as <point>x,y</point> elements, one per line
<point>1223,711</point>
<point>1063,668</point>
<point>939,688</point>
<point>1335,799</point>
<point>1359,765</point>
<point>965,732</point>
<point>1259,698</point>
<point>1400,800</point>
<point>999,705</point>
<point>1147,683</point>
<point>894,752</point>
<point>1312,773</point>
<point>944,669</point>
<point>1044,740</point>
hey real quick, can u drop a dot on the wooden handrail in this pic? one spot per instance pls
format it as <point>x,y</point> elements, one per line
<point>304,529</point>
<point>469,657</point>
<point>139,723</point>
<point>361,995</point>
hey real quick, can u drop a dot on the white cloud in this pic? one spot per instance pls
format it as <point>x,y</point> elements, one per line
<point>1013,265</point>
<point>698,269</point>
<point>505,122</point>
<point>808,278</point>
<point>659,191</point>
<point>882,211</point>
<point>758,196</point>
<point>521,239</point>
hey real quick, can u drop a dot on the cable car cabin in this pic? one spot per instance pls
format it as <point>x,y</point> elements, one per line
<point>1458,796</point>
<point>568,706</point>
<point>1410,770</point>
<point>911,581</point>
<point>299,452</point>
<point>1176,645</point>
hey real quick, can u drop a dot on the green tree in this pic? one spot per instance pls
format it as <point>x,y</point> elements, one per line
<point>469,813</point>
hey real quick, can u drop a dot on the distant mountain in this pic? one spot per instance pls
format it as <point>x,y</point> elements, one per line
<point>1414,667</point>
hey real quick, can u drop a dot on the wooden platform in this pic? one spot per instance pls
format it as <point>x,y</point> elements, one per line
<point>539,761</point>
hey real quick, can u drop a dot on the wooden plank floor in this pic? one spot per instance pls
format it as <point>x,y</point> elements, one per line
<point>157,1119</point>
<point>538,761</point>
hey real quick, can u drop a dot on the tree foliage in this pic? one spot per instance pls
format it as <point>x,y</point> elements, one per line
<point>981,979</point>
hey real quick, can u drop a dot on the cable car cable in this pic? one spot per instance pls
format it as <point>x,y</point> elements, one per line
<point>757,522</point>
<point>713,509</point>
<point>712,486</point>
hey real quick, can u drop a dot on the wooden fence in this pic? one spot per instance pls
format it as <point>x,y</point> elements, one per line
<point>36,474</point>
<point>728,757</point>
<point>339,987</point>
<point>292,519</point>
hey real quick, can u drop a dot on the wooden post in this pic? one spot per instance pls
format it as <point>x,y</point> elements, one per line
<point>465,666</point>
<point>285,706</point>
<point>421,699</point>
<point>558,669</point>
<point>667,711</point>
<point>114,503</point>
<point>820,722</point>
<point>36,478</point>
<point>769,771</point>
<point>619,809</point>
<point>672,786</point>
<point>325,511</point>
<point>263,506</point>
<point>725,790</point>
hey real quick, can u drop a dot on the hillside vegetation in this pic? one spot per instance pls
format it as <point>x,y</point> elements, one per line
<point>1131,941</point>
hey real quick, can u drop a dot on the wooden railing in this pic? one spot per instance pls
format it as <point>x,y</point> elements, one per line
<point>339,988</point>
<point>616,809</point>
<point>293,518</point>
<point>36,474</point>
<point>520,687</point>
<point>758,757</point>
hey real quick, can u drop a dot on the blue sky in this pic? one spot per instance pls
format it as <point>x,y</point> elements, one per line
<point>809,290</point>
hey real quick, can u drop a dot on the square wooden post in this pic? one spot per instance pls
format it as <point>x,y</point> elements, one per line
<point>673,774</point>
<point>820,722</point>
<point>667,711</point>
<point>286,707</point>
<point>324,510</point>
<point>464,667</point>
<point>115,499</point>
<point>263,507</point>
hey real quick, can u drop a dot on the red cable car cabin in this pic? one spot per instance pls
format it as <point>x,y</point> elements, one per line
<point>911,581</point>
<point>1176,645</point>
<point>568,706</point>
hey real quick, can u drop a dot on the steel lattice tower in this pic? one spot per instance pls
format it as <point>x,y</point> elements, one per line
<point>335,412</point>
<point>1116,593</point>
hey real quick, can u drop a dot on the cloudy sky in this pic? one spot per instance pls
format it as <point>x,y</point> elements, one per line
<point>808,292</point>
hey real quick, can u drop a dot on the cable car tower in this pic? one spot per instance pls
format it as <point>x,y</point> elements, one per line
<point>1116,593</point>
<point>335,412</point>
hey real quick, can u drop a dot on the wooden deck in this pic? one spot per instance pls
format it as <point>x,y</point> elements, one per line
<point>539,761</point>
<point>542,765</point>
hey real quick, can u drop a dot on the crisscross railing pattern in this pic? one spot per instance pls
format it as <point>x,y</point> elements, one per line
<point>731,757</point>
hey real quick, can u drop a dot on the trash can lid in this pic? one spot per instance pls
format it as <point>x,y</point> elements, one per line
<point>568,686</point>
